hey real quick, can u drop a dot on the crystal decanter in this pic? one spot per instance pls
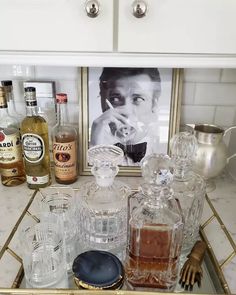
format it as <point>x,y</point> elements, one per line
<point>155,230</point>
<point>189,188</point>
<point>102,204</point>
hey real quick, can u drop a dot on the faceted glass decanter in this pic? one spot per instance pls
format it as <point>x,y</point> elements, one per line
<point>155,229</point>
<point>189,188</point>
<point>102,208</point>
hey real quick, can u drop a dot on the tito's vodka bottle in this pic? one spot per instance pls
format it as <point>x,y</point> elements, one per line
<point>64,138</point>
<point>11,162</point>
<point>35,142</point>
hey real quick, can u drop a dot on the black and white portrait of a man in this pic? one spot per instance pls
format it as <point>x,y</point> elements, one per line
<point>130,108</point>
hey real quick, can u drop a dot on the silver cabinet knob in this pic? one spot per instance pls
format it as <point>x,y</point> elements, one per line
<point>92,8</point>
<point>139,8</point>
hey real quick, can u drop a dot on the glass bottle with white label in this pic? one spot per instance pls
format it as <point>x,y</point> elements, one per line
<point>11,162</point>
<point>35,143</point>
<point>64,139</point>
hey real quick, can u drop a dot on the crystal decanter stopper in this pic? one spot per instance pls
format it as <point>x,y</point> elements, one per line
<point>155,230</point>
<point>103,204</point>
<point>189,188</point>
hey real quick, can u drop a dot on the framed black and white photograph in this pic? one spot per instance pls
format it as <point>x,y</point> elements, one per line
<point>136,109</point>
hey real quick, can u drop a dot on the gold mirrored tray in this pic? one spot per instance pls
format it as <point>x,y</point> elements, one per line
<point>213,281</point>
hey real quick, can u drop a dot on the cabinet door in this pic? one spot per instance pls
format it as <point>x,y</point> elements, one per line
<point>55,25</point>
<point>178,26</point>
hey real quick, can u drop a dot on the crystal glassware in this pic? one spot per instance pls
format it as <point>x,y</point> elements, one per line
<point>44,256</point>
<point>155,229</point>
<point>102,208</point>
<point>60,203</point>
<point>189,187</point>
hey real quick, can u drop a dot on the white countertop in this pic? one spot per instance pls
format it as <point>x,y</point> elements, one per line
<point>219,224</point>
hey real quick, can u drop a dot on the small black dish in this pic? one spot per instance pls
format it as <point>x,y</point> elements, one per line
<point>98,270</point>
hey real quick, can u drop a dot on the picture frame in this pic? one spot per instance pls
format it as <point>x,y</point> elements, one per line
<point>91,108</point>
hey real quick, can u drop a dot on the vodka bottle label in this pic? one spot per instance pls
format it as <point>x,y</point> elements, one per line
<point>65,158</point>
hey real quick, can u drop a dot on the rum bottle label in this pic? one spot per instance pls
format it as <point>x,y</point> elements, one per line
<point>33,147</point>
<point>10,148</point>
<point>65,158</point>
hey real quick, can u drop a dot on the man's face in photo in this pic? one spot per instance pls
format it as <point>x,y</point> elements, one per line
<point>136,98</point>
<point>135,94</point>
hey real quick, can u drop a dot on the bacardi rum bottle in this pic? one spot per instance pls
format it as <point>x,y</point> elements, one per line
<point>11,162</point>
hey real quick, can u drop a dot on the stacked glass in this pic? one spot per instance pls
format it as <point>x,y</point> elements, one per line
<point>59,204</point>
<point>43,256</point>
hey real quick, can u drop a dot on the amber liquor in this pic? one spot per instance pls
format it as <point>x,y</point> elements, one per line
<point>151,263</point>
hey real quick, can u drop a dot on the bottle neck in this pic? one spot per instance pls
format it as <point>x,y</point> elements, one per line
<point>10,102</point>
<point>4,112</point>
<point>182,170</point>
<point>157,195</point>
<point>31,111</point>
<point>62,116</point>
<point>104,174</point>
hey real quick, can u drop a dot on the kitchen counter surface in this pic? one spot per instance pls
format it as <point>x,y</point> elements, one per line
<point>218,225</point>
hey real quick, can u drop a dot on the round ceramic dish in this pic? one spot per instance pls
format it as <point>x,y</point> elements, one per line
<point>98,270</point>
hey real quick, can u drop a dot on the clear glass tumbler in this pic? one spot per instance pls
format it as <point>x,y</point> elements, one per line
<point>60,203</point>
<point>44,256</point>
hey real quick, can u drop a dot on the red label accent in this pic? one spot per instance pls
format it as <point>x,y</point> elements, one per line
<point>2,136</point>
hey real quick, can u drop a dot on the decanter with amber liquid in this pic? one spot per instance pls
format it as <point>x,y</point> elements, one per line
<point>155,230</point>
<point>102,207</point>
<point>189,187</point>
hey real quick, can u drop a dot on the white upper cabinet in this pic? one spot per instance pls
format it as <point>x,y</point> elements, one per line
<point>178,26</point>
<point>168,26</point>
<point>55,25</point>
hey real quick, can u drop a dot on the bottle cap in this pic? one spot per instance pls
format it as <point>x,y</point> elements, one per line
<point>6,83</point>
<point>30,96</point>
<point>3,99</point>
<point>105,160</point>
<point>183,146</point>
<point>61,98</point>
<point>98,270</point>
<point>157,169</point>
<point>30,89</point>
